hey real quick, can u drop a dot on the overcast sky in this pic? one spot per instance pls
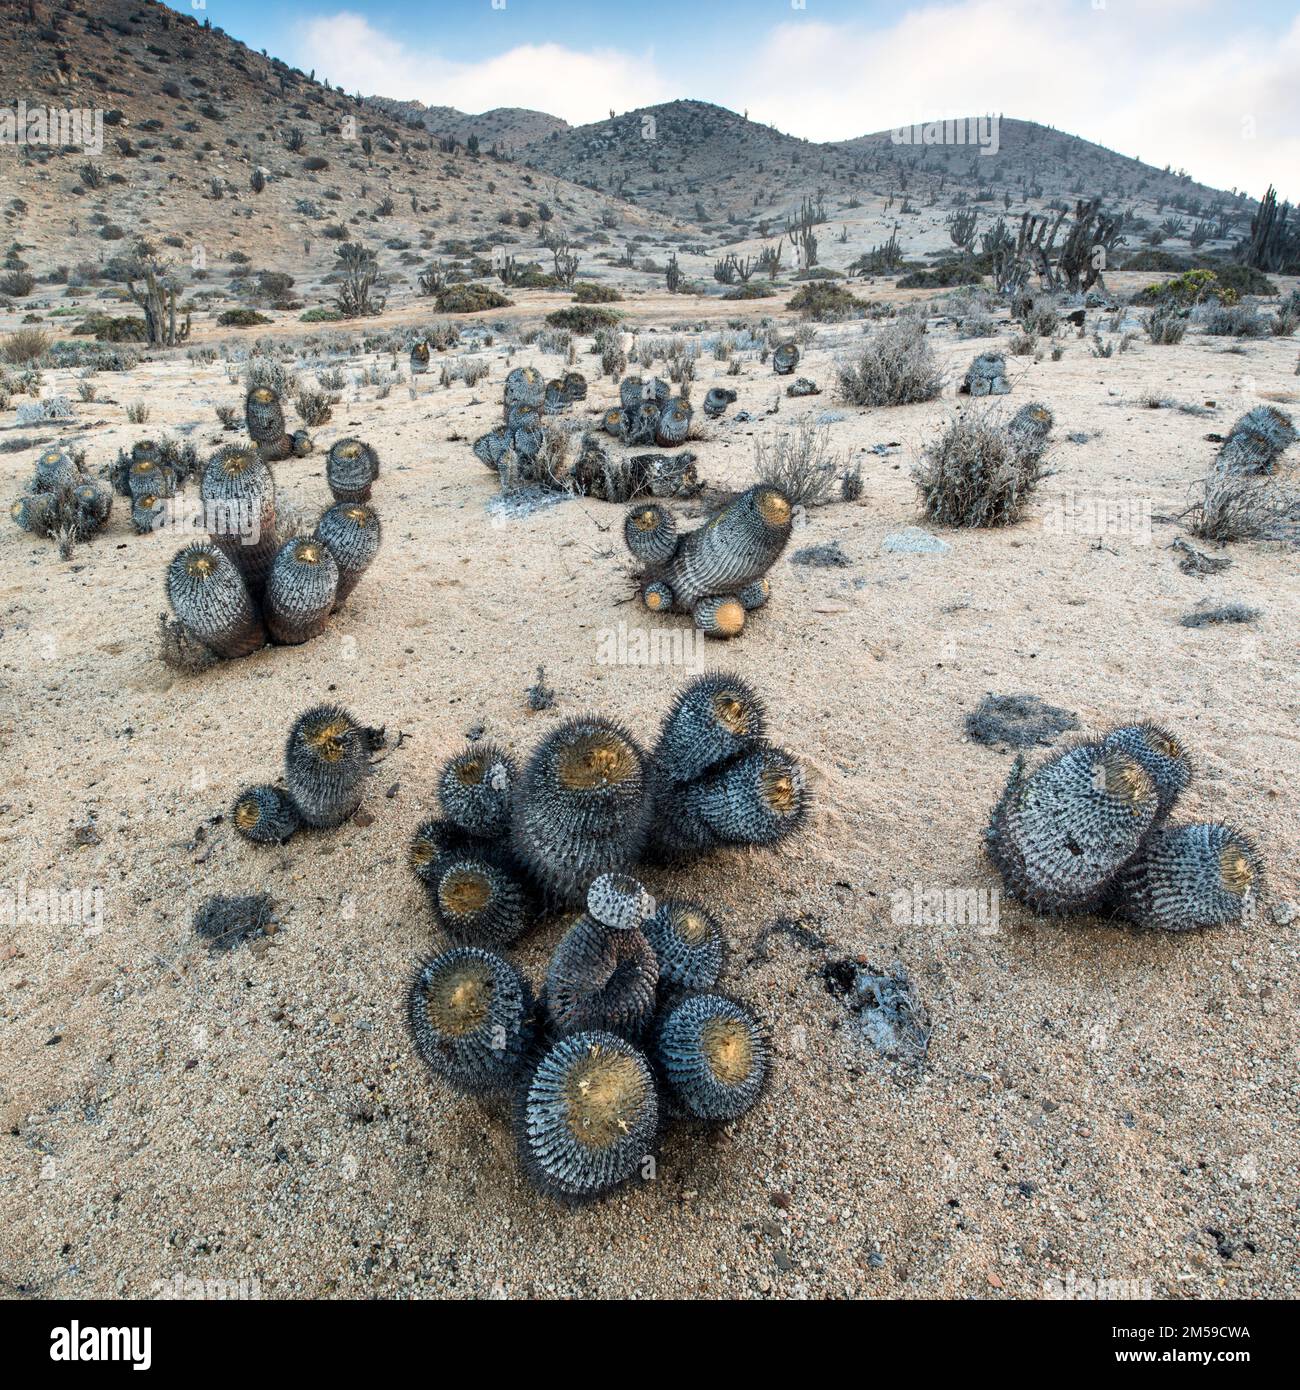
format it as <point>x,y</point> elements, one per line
<point>1212,86</point>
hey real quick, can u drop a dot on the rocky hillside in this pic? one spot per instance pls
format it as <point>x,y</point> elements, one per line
<point>704,163</point>
<point>233,159</point>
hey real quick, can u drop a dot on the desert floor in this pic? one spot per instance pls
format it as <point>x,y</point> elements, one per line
<point>1098,1103</point>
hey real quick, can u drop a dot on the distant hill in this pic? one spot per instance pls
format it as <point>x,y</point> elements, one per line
<point>505,128</point>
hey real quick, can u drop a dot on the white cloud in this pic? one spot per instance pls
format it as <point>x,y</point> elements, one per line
<point>578,86</point>
<point>1183,82</point>
<point>1123,76</point>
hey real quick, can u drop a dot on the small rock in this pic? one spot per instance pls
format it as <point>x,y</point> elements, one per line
<point>912,540</point>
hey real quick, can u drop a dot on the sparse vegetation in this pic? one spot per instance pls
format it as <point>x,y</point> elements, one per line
<point>979,472</point>
<point>896,366</point>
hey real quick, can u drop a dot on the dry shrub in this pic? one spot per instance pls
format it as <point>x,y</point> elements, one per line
<point>896,366</point>
<point>799,462</point>
<point>979,473</point>
<point>1244,507</point>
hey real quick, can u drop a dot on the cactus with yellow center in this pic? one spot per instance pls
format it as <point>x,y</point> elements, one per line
<point>713,1056</point>
<point>352,532</point>
<point>351,469</point>
<point>211,601</point>
<point>327,762</point>
<point>300,593</point>
<point>238,494</point>
<point>1191,876</point>
<point>1060,835</point>
<point>587,1118</point>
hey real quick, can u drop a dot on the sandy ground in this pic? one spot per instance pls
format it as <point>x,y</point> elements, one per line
<point>1099,1103</point>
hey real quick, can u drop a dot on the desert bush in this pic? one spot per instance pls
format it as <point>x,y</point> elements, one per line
<point>314,407</point>
<point>896,366</point>
<point>978,473</point>
<point>587,293</point>
<point>1166,325</point>
<point>1190,288</point>
<point>825,302</point>
<point>799,462</point>
<point>1242,506</point>
<point>14,284</point>
<point>137,412</point>
<point>241,318</point>
<point>583,318</point>
<point>469,299</point>
<point>608,345</point>
<point>1235,321</point>
<point>24,345</point>
<point>262,371</point>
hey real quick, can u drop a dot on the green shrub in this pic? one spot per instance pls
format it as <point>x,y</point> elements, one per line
<point>469,299</point>
<point>587,293</point>
<point>582,318</point>
<point>753,290</point>
<point>1191,287</point>
<point>825,303</point>
<point>241,318</point>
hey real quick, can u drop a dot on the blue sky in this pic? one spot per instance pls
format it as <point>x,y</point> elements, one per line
<point>1212,86</point>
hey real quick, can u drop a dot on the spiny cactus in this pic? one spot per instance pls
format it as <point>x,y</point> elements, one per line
<point>1060,835</point>
<point>713,1056</point>
<point>419,358</point>
<point>717,401</point>
<point>239,496</point>
<point>55,469</point>
<point>1257,440</point>
<point>1191,876</point>
<point>739,545</point>
<point>651,533</point>
<point>755,595</point>
<point>327,762</point>
<point>210,599</point>
<point>587,1119</point>
<point>435,844</point>
<point>1030,427</point>
<point>479,904</point>
<point>575,386</point>
<point>619,901</point>
<point>93,504</point>
<point>673,425</point>
<point>713,718</point>
<point>525,386</point>
<point>471,1017</point>
<point>657,596</point>
<point>35,512</point>
<point>351,469</point>
<point>785,358</point>
<point>264,420</point>
<point>265,814</point>
<point>352,532</point>
<point>758,799</point>
<point>301,590</point>
<point>721,616</point>
<point>475,789</point>
<point>582,808</point>
<point>601,977</point>
<point>1161,753</point>
<point>687,943</point>
<point>986,376</point>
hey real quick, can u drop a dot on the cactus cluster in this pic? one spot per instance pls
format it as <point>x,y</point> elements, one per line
<point>249,584</point>
<point>326,764</point>
<point>716,572</point>
<point>986,376</point>
<point>1088,831</point>
<point>61,502</point>
<point>613,1046</point>
<point>648,413</point>
<point>590,801</point>
<point>264,420</point>
<point>514,447</point>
